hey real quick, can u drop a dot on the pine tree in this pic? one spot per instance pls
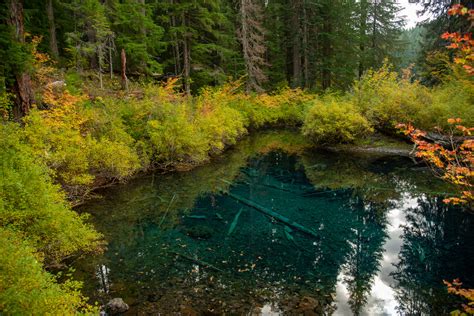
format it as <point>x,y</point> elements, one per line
<point>251,35</point>
<point>200,41</point>
<point>138,34</point>
<point>384,28</point>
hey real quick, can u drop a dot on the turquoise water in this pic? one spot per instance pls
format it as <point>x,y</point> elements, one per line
<point>271,228</point>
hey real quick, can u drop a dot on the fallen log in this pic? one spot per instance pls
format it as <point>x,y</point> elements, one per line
<point>197,261</point>
<point>446,140</point>
<point>234,222</point>
<point>274,215</point>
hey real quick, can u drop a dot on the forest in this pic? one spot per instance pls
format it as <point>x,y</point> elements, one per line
<point>95,93</point>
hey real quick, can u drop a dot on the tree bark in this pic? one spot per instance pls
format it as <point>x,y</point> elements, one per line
<point>111,64</point>
<point>24,96</point>
<point>100,56</point>
<point>245,43</point>
<point>251,36</point>
<point>362,34</point>
<point>374,32</point>
<point>143,31</point>
<point>306,70</point>
<point>176,50</point>
<point>296,34</point>
<point>53,43</point>
<point>123,58</point>
<point>186,58</point>
<point>326,49</point>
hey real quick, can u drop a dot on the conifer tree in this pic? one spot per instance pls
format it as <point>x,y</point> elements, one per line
<point>251,35</point>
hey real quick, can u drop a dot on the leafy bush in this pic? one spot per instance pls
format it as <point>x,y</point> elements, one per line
<point>220,124</point>
<point>386,100</point>
<point>32,205</point>
<point>5,105</point>
<point>82,146</point>
<point>334,120</point>
<point>454,98</point>
<point>175,139</point>
<point>25,288</point>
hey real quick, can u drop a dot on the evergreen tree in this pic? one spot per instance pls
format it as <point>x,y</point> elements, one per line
<point>384,27</point>
<point>251,35</point>
<point>200,41</point>
<point>138,34</point>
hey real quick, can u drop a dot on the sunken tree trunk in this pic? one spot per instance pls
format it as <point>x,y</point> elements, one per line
<point>22,88</point>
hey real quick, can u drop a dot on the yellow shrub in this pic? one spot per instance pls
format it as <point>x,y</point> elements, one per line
<point>386,100</point>
<point>175,139</point>
<point>25,288</point>
<point>334,120</point>
<point>31,204</point>
<point>82,145</point>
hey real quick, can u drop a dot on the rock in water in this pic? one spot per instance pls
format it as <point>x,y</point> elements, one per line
<point>116,306</point>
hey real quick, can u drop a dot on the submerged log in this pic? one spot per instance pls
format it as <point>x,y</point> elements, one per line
<point>234,222</point>
<point>197,261</point>
<point>273,214</point>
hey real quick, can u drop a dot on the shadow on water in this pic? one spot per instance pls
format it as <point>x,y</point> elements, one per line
<point>271,228</point>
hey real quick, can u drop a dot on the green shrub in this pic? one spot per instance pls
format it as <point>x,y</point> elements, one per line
<point>175,139</point>
<point>452,99</point>
<point>6,105</point>
<point>31,204</point>
<point>26,289</point>
<point>334,120</point>
<point>386,100</point>
<point>83,145</point>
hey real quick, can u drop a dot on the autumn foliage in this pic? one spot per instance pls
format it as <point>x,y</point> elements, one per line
<point>463,44</point>
<point>452,162</point>
<point>455,288</point>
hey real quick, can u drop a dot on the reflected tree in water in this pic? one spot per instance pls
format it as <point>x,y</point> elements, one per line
<point>363,261</point>
<point>433,239</point>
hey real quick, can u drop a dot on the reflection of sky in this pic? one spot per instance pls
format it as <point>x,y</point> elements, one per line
<point>381,300</point>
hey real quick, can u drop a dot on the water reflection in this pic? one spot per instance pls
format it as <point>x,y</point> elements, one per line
<point>324,233</point>
<point>435,248</point>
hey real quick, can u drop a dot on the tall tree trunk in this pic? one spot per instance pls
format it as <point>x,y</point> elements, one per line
<point>326,47</point>
<point>53,43</point>
<point>123,58</point>
<point>143,31</point>
<point>362,35</point>
<point>111,64</point>
<point>244,37</point>
<point>100,56</point>
<point>143,14</point>
<point>251,35</point>
<point>374,32</point>
<point>176,50</point>
<point>306,71</point>
<point>296,35</point>
<point>186,58</point>
<point>22,88</point>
